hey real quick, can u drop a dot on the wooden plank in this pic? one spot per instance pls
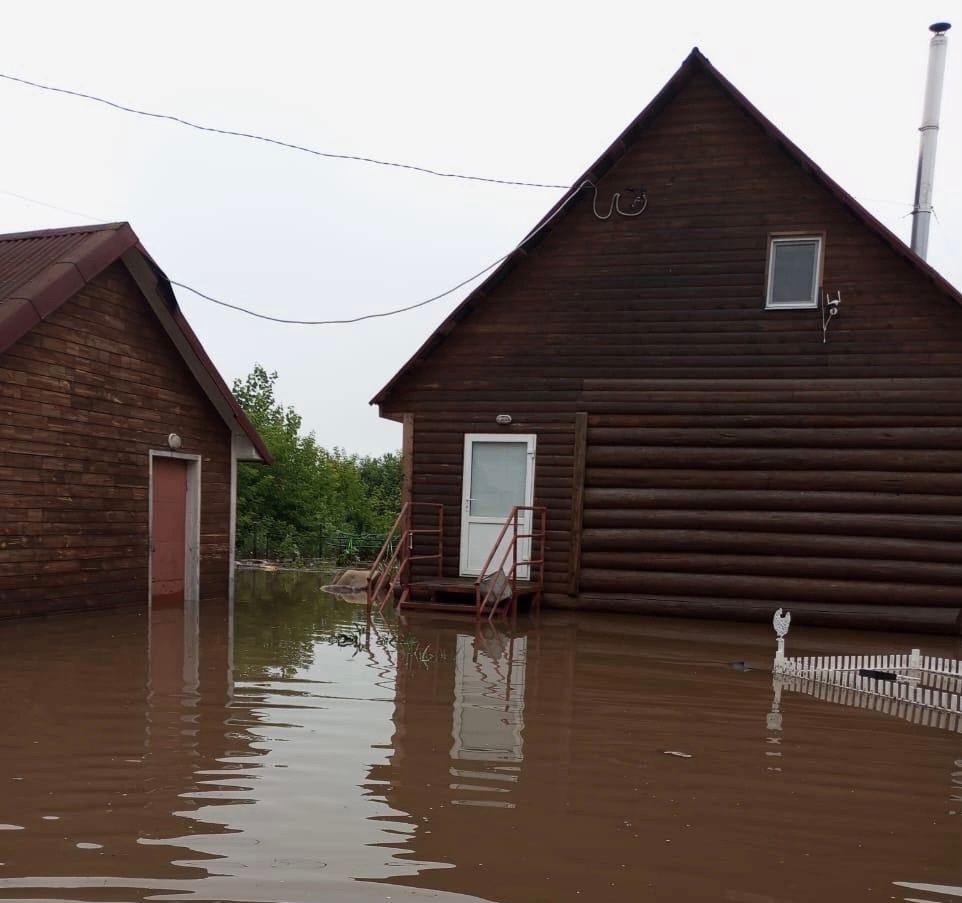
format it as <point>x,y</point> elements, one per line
<point>577,500</point>
<point>762,500</point>
<point>637,542</point>
<point>768,562</point>
<point>786,589</point>
<point>777,480</point>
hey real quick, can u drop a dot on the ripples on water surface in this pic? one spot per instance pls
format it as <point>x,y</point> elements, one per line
<point>307,760</point>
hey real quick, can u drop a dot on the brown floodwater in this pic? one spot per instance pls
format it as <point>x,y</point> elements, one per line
<point>293,753</point>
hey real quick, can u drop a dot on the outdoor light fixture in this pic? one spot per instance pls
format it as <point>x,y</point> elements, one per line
<point>173,440</point>
<point>503,419</point>
<point>829,310</point>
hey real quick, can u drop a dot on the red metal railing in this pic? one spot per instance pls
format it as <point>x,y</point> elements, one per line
<point>391,570</point>
<point>499,583</point>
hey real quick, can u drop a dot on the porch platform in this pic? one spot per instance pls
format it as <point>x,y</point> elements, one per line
<point>453,593</point>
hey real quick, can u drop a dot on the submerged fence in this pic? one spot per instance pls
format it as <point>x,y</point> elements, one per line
<point>923,689</point>
<point>329,545</point>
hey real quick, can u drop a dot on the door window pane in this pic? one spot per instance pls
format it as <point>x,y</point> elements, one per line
<point>497,477</point>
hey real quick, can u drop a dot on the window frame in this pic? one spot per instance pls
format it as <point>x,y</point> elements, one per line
<point>777,238</point>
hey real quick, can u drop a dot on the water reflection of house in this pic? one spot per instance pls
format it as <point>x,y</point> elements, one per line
<point>557,783</point>
<point>106,744</point>
<point>120,438</point>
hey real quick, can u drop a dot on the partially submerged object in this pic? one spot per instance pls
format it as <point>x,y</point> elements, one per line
<point>923,689</point>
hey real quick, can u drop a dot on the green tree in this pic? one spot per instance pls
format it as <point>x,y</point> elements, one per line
<point>309,492</point>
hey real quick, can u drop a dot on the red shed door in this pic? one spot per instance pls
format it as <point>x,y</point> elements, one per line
<point>168,530</point>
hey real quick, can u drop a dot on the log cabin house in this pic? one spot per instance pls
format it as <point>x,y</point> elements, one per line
<point>119,440</point>
<point>727,387</point>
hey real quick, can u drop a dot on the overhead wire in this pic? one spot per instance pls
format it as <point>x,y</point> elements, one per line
<point>358,319</point>
<point>275,141</point>
<point>285,320</point>
<point>29,200</point>
<point>400,310</point>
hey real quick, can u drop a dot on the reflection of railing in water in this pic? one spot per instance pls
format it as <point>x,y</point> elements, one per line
<point>921,689</point>
<point>915,713</point>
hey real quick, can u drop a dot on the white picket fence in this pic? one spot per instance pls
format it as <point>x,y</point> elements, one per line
<point>922,689</point>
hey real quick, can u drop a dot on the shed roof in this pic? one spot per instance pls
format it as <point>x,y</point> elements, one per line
<point>41,271</point>
<point>696,62</point>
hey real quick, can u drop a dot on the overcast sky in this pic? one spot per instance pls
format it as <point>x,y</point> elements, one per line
<point>530,91</point>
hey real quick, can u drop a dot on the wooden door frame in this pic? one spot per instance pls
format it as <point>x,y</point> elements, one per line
<point>191,527</point>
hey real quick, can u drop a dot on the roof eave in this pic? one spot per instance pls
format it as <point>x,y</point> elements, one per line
<point>160,295</point>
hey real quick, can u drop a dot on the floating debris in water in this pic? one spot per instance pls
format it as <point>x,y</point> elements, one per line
<point>676,753</point>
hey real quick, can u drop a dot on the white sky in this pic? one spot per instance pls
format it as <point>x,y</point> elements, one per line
<point>525,90</point>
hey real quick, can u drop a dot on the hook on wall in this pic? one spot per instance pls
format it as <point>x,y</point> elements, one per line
<point>830,308</point>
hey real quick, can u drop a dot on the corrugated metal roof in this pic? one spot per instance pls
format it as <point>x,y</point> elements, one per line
<point>25,255</point>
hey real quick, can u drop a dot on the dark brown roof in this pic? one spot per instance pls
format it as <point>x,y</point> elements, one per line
<point>694,63</point>
<point>41,271</point>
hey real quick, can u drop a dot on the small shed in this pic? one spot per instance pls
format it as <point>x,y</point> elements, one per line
<point>730,387</point>
<point>119,440</point>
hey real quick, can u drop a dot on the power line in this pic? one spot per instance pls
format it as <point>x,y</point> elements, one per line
<point>80,213</point>
<point>386,313</point>
<point>275,141</point>
<point>260,316</point>
<point>399,310</point>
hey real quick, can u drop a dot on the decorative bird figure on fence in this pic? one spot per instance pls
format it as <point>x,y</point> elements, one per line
<point>781,622</point>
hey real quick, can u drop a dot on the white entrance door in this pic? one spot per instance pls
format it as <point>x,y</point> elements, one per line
<point>498,474</point>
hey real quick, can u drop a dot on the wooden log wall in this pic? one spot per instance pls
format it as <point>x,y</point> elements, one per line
<point>84,396</point>
<point>793,508</point>
<point>735,455</point>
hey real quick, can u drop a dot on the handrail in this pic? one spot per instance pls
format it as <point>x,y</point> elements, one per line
<point>389,571</point>
<point>495,591</point>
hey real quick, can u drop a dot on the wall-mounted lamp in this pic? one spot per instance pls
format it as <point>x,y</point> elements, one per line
<point>503,419</point>
<point>829,311</point>
<point>173,441</point>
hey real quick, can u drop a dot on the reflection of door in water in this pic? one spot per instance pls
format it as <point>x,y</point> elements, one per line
<point>489,700</point>
<point>498,474</point>
<point>173,647</point>
<point>168,529</point>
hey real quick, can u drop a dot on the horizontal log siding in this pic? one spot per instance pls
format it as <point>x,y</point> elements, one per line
<point>83,397</point>
<point>718,429</point>
<point>438,460</point>
<point>775,513</point>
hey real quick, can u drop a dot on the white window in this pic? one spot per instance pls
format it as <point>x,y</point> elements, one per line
<point>794,271</point>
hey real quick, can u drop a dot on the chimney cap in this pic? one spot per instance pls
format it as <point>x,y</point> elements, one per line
<point>940,27</point>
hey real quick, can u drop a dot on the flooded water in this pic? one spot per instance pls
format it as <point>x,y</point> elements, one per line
<point>293,754</point>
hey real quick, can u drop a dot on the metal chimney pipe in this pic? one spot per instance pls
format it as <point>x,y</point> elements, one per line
<point>922,208</point>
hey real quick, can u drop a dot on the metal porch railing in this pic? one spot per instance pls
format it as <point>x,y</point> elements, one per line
<point>390,574</point>
<point>498,581</point>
